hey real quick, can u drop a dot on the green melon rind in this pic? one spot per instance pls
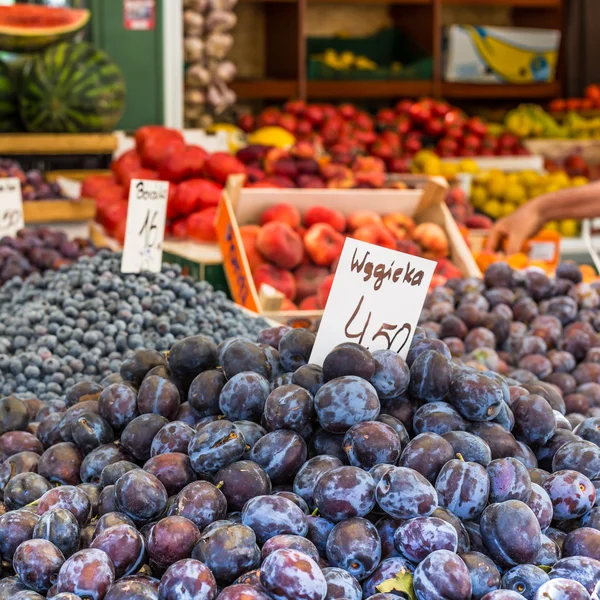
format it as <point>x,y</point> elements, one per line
<point>72,88</point>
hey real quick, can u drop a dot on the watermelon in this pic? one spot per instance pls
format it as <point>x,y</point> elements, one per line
<point>9,106</point>
<point>71,88</point>
<point>30,28</point>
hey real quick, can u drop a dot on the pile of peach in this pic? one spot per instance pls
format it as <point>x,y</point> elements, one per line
<point>301,167</point>
<point>298,255</point>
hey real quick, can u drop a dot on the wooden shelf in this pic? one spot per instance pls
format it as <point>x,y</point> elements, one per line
<point>533,91</point>
<point>368,89</point>
<point>268,89</point>
<point>406,2</point>
<point>50,143</point>
<point>58,211</point>
<point>508,3</point>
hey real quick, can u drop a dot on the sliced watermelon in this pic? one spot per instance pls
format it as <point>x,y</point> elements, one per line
<point>29,27</point>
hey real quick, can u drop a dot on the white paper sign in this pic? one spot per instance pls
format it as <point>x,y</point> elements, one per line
<point>11,206</point>
<point>375,300</point>
<point>145,230</point>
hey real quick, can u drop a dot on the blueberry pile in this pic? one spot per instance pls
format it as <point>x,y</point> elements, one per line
<point>58,328</point>
<point>38,250</point>
<point>223,467</point>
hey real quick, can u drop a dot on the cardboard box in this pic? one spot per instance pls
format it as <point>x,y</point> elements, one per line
<point>241,206</point>
<point>500,54</point>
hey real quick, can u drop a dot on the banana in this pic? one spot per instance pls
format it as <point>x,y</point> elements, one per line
<point>511,63</point>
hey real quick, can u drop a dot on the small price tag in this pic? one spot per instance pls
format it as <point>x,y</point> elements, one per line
<point>11,206</point>
<point>375,300</point>
<point>145,230</point>
<point>542,251</point>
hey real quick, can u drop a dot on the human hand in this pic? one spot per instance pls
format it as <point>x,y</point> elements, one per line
<point>517,228</point>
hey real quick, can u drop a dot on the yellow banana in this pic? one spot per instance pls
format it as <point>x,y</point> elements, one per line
<point>511,63</point>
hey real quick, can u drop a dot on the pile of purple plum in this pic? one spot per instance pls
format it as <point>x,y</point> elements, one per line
<point>38,250</point>
<point>33,184</point>
<point>239,471</point>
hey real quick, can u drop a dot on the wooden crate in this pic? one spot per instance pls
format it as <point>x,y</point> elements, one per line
<point>242,206</point>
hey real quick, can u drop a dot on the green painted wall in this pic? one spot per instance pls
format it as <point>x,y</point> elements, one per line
<point>140,56</point>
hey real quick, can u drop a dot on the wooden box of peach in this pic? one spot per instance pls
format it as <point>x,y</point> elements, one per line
<point>281,246</point>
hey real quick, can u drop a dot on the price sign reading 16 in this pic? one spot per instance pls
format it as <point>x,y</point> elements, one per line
<point>396,335</point>
<point>149,229</point>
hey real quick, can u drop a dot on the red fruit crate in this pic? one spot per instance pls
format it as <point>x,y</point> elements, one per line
<point>241,206</point>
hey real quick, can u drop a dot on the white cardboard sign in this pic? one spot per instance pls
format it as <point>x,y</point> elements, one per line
<point>145,230</point>
<point>375,300</point>
<point>11,206</point>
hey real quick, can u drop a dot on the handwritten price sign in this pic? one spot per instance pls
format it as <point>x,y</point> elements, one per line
<point>11,206</point>
<point>376,300</point>
<point>145,230</point>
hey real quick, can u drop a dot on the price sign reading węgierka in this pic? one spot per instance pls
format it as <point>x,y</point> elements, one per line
<point>375,300</point>
<point>11,207</point>
<point>145,230</point>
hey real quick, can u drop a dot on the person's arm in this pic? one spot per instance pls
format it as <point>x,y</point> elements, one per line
<point>572,203</point>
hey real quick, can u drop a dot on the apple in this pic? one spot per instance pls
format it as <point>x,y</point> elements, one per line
<point>268,117</point>
<point>403,124</point>
<point>287,121</point>
<point>314,114</point>
<point>399,164</point>
<point>472,144</point>
<point>454,131</point>
<point>420,113</point>
<point>295,107</point>
<point>403,107</point>
<point>347,111</point>
<point>508,140</point>
<point>477,127</point>
<point>447,146</point>
<point>434,127</point>
<point>386,116</point>
<point>412,144</point>
<point>440,109</point>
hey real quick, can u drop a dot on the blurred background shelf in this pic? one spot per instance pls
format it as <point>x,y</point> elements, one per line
<point>278,67</point>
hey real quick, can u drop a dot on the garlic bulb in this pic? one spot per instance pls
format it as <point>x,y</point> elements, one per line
<point>225,71</point>
<point>197,76</point>
<point>193,50</point>
<point>193,23</point>
<point>218,45</point>
<point>220,21</point>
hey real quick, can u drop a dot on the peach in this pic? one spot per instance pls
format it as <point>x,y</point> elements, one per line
<point>408,247</point>
<point>279,181</point>
<point>432,238</point>
<point>342,184</point>
<point>287,304</point>
<point>273,155</point>
<point>303,150</point>
<point>375,234</point>
<point>448,269</point>
<point>360,218</point>
<point>309,303</point>
<point>369,179</point>
<point>201,225</point>
<point>308,278</point>
<point>324,290</point>
<point>400,225</point>
<point>398,185</point>
<point>479,222</point>
<point>310,181</point>
<point>323,214</point>
<point>249,234</point>
<point>280,279</point>
<point>323,243</point>
<point>334,171</point>
<point>280,245</point>
<point>368,164</point>
<point>283,213</point>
